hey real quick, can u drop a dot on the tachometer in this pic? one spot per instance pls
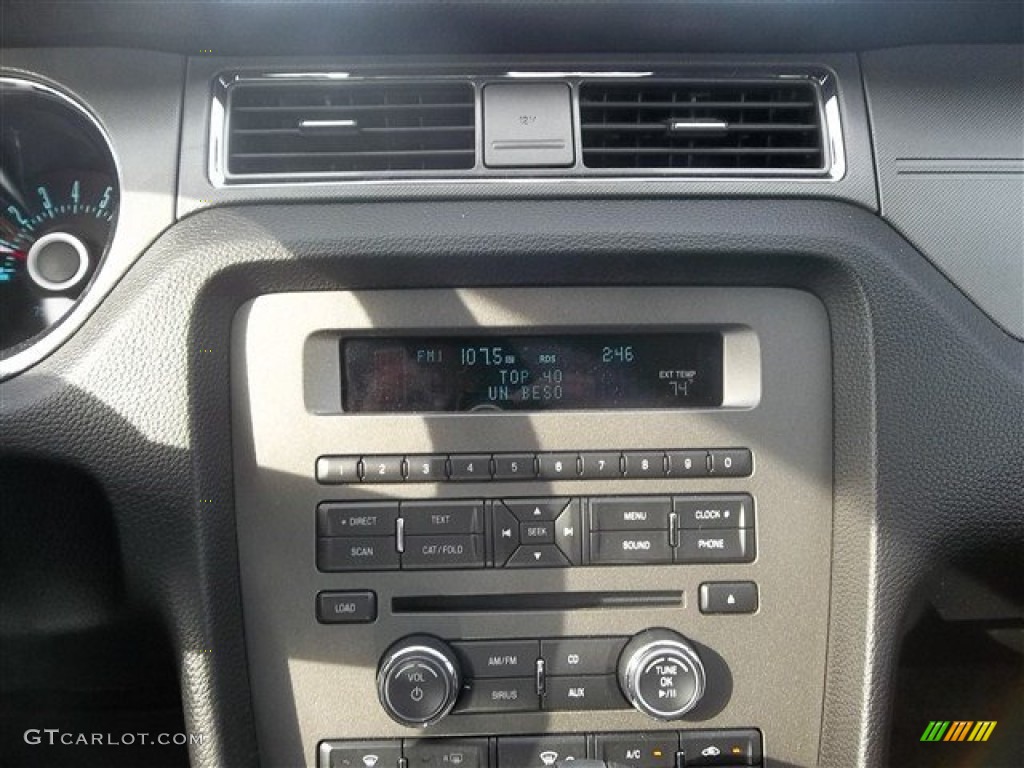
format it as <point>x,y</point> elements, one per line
<point>58,205</point>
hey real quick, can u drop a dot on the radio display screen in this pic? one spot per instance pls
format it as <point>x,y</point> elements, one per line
<point>451,374</point>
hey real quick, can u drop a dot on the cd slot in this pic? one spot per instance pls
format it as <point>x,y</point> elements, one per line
<point>531,602</point>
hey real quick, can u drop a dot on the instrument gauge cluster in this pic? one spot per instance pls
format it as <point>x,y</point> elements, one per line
<point>58,207</point>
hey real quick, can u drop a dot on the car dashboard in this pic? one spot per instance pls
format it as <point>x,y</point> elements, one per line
<point>508,385</point>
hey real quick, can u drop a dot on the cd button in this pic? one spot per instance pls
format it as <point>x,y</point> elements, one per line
<point>383,469</point>
<point>582,655</point>
<point>471,467</point>
<point>558,466</point>
<point>540,556</point>
<point>514,466</point>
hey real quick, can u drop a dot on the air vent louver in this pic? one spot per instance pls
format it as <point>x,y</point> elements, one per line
<point>316,129</point>
<point>701,127</point>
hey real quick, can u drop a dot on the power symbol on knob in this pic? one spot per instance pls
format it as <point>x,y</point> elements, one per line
<point>418,680</point>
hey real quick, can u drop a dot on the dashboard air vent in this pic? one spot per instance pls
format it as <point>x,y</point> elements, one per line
<point>325,129</point>
<point>722,127</point>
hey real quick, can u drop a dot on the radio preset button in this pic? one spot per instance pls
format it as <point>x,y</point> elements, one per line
<point>426,469</point>
<point>688,463</point>
<point>515,466</point>
<point>643,464</point>
<point>626,547</point>
<point>383,469</point>
<point>427,552</point>
<point>600,466</point>
<point>558,466</point>
<point>364,553</point>
<point>442,517</point>
<point>470,467</point>
<point>357,518</point>
<point>619,513</point>
<point>335,470</point>
<point>735,462</point>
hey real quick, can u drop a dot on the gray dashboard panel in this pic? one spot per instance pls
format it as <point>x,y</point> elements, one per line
<point>948,128</point>
<point>312,682</point>
<point>195,190</point>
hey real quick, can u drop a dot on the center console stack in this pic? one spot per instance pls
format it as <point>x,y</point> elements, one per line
<point>516,528</point>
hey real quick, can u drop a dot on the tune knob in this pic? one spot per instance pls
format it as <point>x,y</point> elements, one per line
<point>418,680</point>
<point>661,674</point>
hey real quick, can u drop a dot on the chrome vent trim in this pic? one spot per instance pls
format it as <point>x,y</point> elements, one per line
<point>336,123</point>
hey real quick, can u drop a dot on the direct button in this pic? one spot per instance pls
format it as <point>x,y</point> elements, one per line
<point>699,512</point>
<point>630,514</point>
<point>638,750</point>
<point>499,658</point>
<point>581,655</point>
<point>346,607</point>
<point>357,518</point>
<point>630,547</point>
<point>424,518</point>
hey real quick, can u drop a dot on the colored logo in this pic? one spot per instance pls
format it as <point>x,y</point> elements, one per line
<point>958,730</point>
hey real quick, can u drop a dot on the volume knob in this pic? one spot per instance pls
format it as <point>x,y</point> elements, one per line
<point>661,674</point>
<point>418,680</point>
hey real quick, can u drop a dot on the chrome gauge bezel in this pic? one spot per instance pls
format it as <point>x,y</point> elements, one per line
<point>27,353</point>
